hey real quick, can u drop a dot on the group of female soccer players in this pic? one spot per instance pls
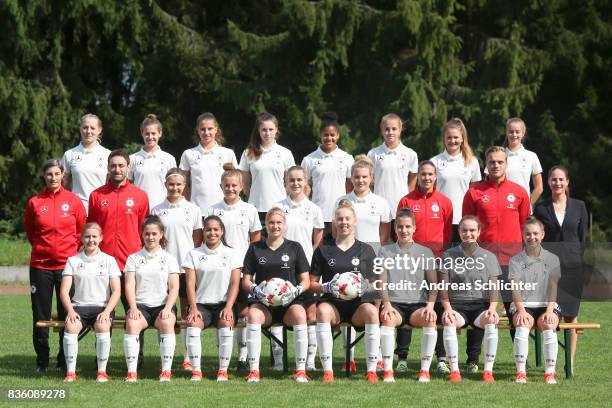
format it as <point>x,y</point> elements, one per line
<point>204,245</point>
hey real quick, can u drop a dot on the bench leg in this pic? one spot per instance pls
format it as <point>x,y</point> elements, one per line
<point>568,353</point>
<point>538,347</point>
<point>285,358</point>
<point>84,332</point>
<point>347,353</point>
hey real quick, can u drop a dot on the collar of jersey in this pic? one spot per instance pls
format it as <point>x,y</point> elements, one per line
<point>359,199</point>
<point>515,153</point>
<point>89,150</point>
<point>205,151</point>
<point>209,251</point>
<point>177,204</point>
<point>147,255</point>
<point>151,155</point>
<point>450,158</point>
<point>387,150</point>
<point>330,154</point>
<point>50,193</point>
<point>270,149</point>
<point>89,259</point>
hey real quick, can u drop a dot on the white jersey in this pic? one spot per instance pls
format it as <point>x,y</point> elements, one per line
<point>522,164</point>
<point>371,211</point>
<point>302,219</point>
<point>91,277</point>
<point>87,168</point>
<point>328,173</point>
<point>267,175</point>
<point>148,170</point>
<point>239,219</point>
<point>213,270</point>
<point>454,178</point>
<point>205,168</point>
<point>152,272</point>
<point>180,220</point>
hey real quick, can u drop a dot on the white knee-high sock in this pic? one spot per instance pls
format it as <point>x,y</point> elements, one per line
<point>300,345</point>
<point>325,342</point>
<point>521,348</point>
<point>167,344</point>
<point>551,348</point>
<point>226,343</point>
<point>254,345</point>
<point>372,345</point>
<point>353,335</point>
<point>130,348</point>
<point>312,345</point>
<point>194,347</point>
<point>277,350</point>
<point>451,347</point>
<point>184,345</point>
<point>490,346</point>
<point>71,349</point>
<point>387,345</point>
<point>241,334</point>
<point>429,337</point>
<point>103,346</point>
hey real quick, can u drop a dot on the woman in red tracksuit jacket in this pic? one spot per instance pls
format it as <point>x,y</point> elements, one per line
<point>53,222</point>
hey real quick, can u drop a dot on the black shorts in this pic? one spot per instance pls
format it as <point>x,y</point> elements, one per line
<point>150,313</point>
<point>89,314</point>
<point>278,312</point>
<point>535,312</point>
<point>470,311</point>
<point>210,313</point>
<point>182,286</point>
<point>406,310</point>
<point>346,308</point>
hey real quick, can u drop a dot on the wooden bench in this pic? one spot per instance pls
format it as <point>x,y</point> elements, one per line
<point>119,323</point>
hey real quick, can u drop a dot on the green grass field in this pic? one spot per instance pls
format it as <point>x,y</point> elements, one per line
<point>14,252</point>
<point>590,386</point>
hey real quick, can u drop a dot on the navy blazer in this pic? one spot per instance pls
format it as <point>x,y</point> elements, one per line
<point>572,233</point>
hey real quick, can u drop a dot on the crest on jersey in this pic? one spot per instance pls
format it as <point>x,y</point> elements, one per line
<point>44,209</point>
<point>243,213</point>
<point>331,262</point>
<point>511,198</point>
<point>435,207</point>
<point>65,207</point>
<point>162,260</point>
<point>355,261</point>
<point>262,260</point>
<point>285,258</point>
<point>486,198</point>
<point>129,202</point>
<point>104,203</point>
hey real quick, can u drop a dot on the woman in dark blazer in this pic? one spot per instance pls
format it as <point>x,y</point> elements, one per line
<point>565,221</point>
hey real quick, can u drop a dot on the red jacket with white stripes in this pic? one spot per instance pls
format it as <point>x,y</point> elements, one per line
<point>53,224</point>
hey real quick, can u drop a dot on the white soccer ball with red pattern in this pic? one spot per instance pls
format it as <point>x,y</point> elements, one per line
<point>275,288</point>
<point>349,285</point>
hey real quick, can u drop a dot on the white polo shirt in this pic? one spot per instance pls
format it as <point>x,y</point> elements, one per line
<point>151,275</point>
<point>91,277</point>
<point>267,175</point>
<point>302,219</point>
<point>371,211</point>
<point>239,219</point>
<point>213,270</point>
<point>180,220</point>
<point>391,168</point>
<point>88,169</point>
<point>206,168</point>
<point>454,178</point>
<point>522,164</point>
<point>539,271</point>
<point>148,170</point>
<point>328,173</point>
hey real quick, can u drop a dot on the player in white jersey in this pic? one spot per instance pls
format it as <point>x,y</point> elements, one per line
<point>203,164</point>
<point>534,303</point>
<point>263,164</point>
<point>395,165</point>
<point>85,166</point>
<point>329,170</point>
<point>408,304</point>
<point>304,225</point>
<point>183,223</point>
<point>469,267</point>
<point>523,164</point>
<point>151,289</point>
<point>95,278</point>
<point>373,217</point>
<point>242,226</point>
<point>149,165</point>
<point>213,281</point>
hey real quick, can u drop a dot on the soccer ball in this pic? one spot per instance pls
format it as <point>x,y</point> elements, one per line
<point>275,288</point>
<point>349,285</point>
